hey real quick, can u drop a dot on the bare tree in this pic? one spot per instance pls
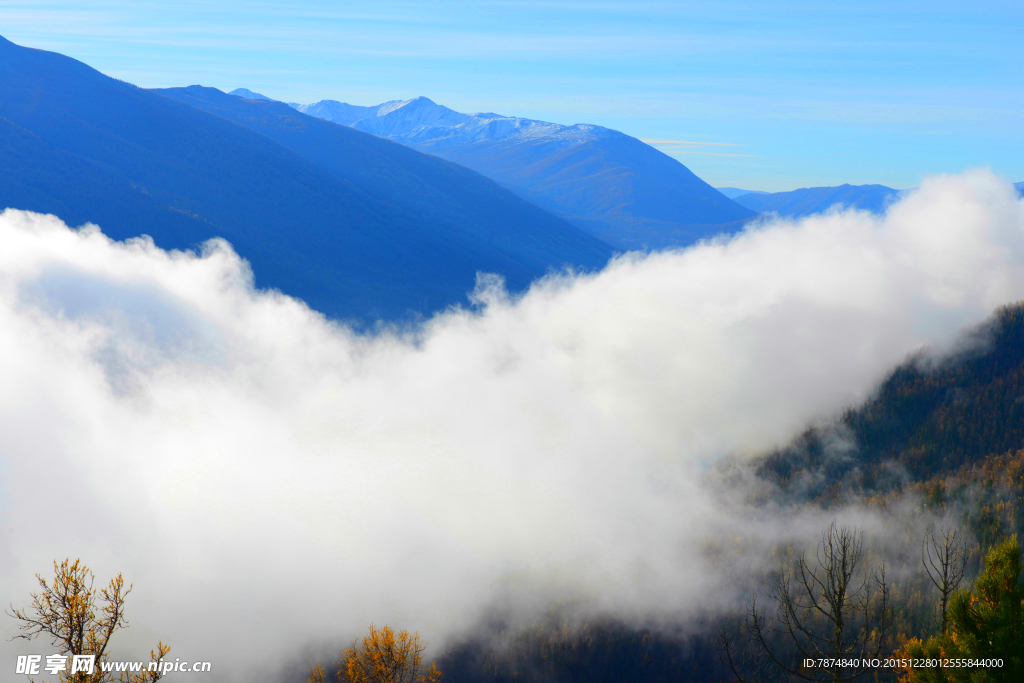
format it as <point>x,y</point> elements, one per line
<point>830,617</point>
<point>945,558</point>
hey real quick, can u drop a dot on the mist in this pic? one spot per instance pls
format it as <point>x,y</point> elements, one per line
<point>272,481</point>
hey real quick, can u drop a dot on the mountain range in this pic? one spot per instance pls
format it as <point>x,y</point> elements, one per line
<point>734,192</point>
<point>614,186</point>
<point>357,226</point>
<point>380,217</point>
<point>249,94</point>
<point>810,200</point>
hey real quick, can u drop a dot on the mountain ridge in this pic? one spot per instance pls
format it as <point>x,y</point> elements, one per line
<point>810,200</point>
<point>734,192</point>
<point>339,151</point>
<point>605,182</point>
<point>249,94</point>
<point>90,148</point>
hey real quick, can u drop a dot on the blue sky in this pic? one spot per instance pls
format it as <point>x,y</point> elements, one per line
<point>791,93</point>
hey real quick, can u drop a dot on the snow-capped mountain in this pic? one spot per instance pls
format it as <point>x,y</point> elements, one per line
<point>612,185</point>
<point>338,112</point>
<point>420,121</point>
<point>415,120</point>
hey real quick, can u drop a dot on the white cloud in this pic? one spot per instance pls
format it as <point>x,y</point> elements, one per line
<point>269,479</point>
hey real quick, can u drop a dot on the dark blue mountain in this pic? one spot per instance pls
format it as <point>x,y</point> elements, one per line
<point>434,190</point>
<point>384,233</point>
<point>618,188</point>
<point>1019,186</point>
<point>614,186</point>
<point>808,200</point>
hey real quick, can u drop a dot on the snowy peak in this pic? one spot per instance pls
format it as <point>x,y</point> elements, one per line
<point>417,104</point>
<point>249,94</point>
<point>338,112</point>
<point>421,121</point>
<point>607,183</point>
<point>411,117</point>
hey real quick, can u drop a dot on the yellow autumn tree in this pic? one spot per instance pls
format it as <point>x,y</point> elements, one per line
<point>383,656</point>
<point>80,620</point>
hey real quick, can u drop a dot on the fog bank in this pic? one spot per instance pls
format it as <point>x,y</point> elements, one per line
<point>269,479</point>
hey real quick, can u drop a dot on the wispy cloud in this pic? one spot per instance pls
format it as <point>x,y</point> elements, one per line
<point>688,143</point>
<point>647,68</point>
<point>680,147</point>
<point>706,154</point>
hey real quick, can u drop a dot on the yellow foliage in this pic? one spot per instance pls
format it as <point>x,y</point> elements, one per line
<point>383,656</point>
<point>81,620</point>
<point>317,675</point>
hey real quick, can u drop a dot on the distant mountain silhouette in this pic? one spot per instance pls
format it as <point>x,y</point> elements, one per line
<point>385,233</point>
<point>1019,186</point>
<point>734,192</point>
<point>614,186</point>
<point>337,112</point>
<point>808,200</point>
<point>249,94</point>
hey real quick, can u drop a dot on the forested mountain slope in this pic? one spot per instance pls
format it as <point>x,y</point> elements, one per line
<point>928,418</point>
<point>940,440</point>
